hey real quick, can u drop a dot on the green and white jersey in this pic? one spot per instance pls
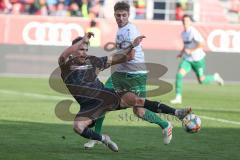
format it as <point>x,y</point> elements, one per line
<point>191,38</point>
<point>125,35</point>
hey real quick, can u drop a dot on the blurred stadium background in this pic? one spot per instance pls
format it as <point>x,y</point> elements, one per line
<point>31,39</point>
<point>35,32</point>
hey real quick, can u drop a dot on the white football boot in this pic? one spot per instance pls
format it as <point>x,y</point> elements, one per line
<point>177,100</point>
<point>218,79</point>
<point>167,134</point>
<point>181,113</point>
<point>109,143</point>
<point>90,144</point>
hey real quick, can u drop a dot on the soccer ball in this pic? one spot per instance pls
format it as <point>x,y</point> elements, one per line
<point>191,123</point>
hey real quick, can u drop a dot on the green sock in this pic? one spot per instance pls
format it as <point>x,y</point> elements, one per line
<point>153,118</point>
<point>178,84</point>
<point>208,79</point>
<point>98,125</point>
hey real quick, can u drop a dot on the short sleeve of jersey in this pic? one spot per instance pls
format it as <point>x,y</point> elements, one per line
<point>133,32</point>
<point>99,62</point>
<point>197,36</point>
<point>125,35</point>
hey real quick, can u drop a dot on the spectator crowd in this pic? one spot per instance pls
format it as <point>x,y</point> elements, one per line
<point>80,8</point>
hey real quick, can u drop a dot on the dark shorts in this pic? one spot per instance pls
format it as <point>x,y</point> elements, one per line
<point>97,104</point>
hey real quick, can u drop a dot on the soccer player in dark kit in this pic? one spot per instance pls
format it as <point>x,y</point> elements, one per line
<point>79,72</point>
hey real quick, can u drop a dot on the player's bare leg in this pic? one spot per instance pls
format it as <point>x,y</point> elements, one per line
<point>130,99</point>
<point>80,126</point>
<point>98,129</point>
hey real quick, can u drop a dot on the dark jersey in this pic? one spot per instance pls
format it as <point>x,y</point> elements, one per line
<point>85,74</point>
<point>82,82</point>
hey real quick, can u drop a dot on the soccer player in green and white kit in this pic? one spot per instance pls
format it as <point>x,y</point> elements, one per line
<point>131,76</point>
<point>193,57</point>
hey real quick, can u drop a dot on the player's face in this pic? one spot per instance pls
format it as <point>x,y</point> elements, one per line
<point>82,52</point>
<point>186,22</point>
<point>121,17</point>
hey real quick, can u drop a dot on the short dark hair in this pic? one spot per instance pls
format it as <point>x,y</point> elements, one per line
<point>122,5</point>
<point>178,5</point>
<point>77,40</point>
<point>93,23</point>
<point>188,16</point>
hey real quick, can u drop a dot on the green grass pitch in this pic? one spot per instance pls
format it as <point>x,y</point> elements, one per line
<point>29,128</point>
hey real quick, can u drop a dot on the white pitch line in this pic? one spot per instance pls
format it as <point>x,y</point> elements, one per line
<point>49,97</point>
<point>217,110</point>
<point>220,120</point>
<point>34,95</point>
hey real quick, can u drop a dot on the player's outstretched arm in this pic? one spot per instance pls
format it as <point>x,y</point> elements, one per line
<point>181,53</point>
<point>125,54</point>
<point>73,48</point>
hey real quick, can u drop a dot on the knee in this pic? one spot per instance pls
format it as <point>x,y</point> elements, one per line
<point>181,73</point>
<point>133,100</point>
<point>79,126</point>
<point>139,111</point>
<point>139,102</point>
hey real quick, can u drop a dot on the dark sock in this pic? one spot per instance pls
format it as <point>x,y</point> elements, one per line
<point>158,107</point>
<point>90,134</point>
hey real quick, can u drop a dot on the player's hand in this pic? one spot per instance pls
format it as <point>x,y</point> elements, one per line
<point>87,36</point>
<point>137,40</point>
<point>179,55</point>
